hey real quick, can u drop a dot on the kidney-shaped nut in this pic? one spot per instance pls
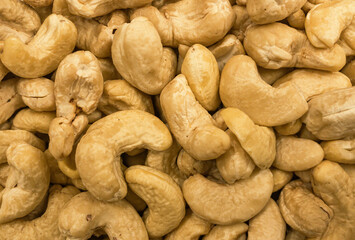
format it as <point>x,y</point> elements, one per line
<point>54,40</point>
<point>83,215</point>
<point>236,203</point>
<point>302,210</point>
<point>240,81</point>
<point>341,151</point>
<point>123,131</point>
<point>33,121</point>
<point>191,124</point>
<point>27,182</point>
<point>329,109</point>
<point>228,232</point>
<point>281,178</point>
<point>190,21</point>
<point>277,45</point>
<point>166,205</point>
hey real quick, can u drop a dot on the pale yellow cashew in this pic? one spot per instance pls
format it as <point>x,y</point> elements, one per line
<point>190,166</point>
<point>229,232</point>
<point>281,178</point>
<point>289,128</point>
<point>32,121</point>
<point>39,3</point>
<point>341,151</point>
<point>56,175</point>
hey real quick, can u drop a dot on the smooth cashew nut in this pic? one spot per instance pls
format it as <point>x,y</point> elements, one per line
<point>166,205</point>
<point>83,215</point>
<point>27,182</point>
<point>341,151</point>
<point>297,19</point>
<point>54,40</point>
<point>114,19</point>
<point>191,124</point>
<point>240,81</point>
<point>229,232</point>
<point>289,128</point>
<point>32,121</point>
<point>281,178</point>
<point>236,203</point>
<point>190,166</point>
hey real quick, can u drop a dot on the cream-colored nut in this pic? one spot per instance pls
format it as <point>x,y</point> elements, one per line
<point>240,81</point>
<point>281,178</point>
<point>94,116</point>
<point>37,93</point>
<point>258,141</point>
<point>32,121</point>
<point>56,175</point>
<point>305,133</point>
<point>191,124</point>
<point>201,71</point>
<point>39,210</point>
<point>329,109</point>
<point>297,154</point>
<point>235,164</point>
<point>135,201</point>
<point>190,228</point>
<point>334,186</point>
<point>305,175</point>
<point>297,19</point>
<point>108,70</point>
<point>190,166</point>
<point>277,45</point>
<point>83,215</point>
<point>268,224</point>
<point>325,22</point>
<point>269,11</point>
<point>18,20</point>
<point>289,128</point>
<point>114,19</point>
<point>219,121</point>
<point>242,21</point>
<point>302,210</point>
<point>111,136</point>
<point>346,40</point>
<point>349,71</point>
<point>27,182</point>
<point>228,232</point>
<point>236,203</point>
<point>293,234</point>
<point>208,20</point>
<point>166,205</point>
<point>9,136</point>
<point>3,70</point>
<point>341,151</point>
<point>39,3</point>
<point>10,100</point>
<point>271,75</point>
<point>314,82</point>
<point>119,95</point>
<point>140,57</point>
<point>54,40</point>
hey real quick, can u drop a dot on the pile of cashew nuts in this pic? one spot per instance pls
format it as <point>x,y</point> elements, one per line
<point>177,119</point>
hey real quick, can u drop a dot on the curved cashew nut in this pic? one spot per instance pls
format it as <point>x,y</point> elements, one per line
<point>147,65</point>
<point>84,214</point>
<point>236,203</point>
<point>290,128</point>
<point>281,178</point>
<point>54,40</point>
<point>100,170</point>
<point>33,121</point>
<point>27,182</point>
<point>166,205</point>
<point>191,124</point>
<point>229,232</point>
<point>341,151</point>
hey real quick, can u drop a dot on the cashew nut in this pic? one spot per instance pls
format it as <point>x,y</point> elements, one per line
<point>190,166</point>
<point>228,232</point>
<point>341,151</point>
<point>271,75</point>
<point>281,178</point>
<point>32,121</point>
<point>56,175</point>
<point>349,71</point>
<point>108,70</point>
<point>289,128</point>
<point>297,19</point>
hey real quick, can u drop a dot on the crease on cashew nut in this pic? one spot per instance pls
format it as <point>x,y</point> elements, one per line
<point>37,93</point>
<point>302,210</point>
<point>297,154</point>
<point>228,232</point>
<point>235,164</point>
<point>349,71</point>
<point>290,128</point>
<point>341,151</point>
<point>240,81</point>
<point>242,21</point>
<point>44,227</point>
<point>202,74</point>
<point>335,187</point>
<point>98,152</point>
<point>108,70</point>
<point>54,40</point>
<point>141,59</point>
<point>281,178</point>
<point>271,75</point>
<point>84,214</point>
<point>119,95</point>
<point>214,174</point>
<point>10,100</point>
<point>218,120</point>
<point>297,19</point>
<point>190,228</point>
<point>9,136</point>
<point>166,205</point>
<point>236,203</point>
<point>190,21</point>
<point>191,124</point>
<point>56,175</point>
<point>189,166</point>
<point>258,141</point>
<point>268,224</point>
<point>326,22</point>
<point>33,121</point>
<point>277,45</point>
<point>327,110</point>
<point>27,182</point>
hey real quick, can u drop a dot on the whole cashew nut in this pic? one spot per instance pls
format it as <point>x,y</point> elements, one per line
<point>33,121</point>
<point>341,151</point>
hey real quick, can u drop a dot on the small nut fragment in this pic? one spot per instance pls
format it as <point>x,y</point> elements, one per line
<point>281,178</point>
<point>297,19</point>
<point>228,232</point>
<point>289,128</point>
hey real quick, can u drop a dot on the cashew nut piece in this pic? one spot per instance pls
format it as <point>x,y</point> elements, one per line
<point>84,214</point>
<point>191,124</point>
<point>240,81</point>
<point>3,70</point>
<point>54,40</point>
<point>289,128</point>
<point>228,232</point>
<point>166,205</point>
<point>27,182</point>
<point>56,175</point>
<point>242,21</point>
<point>268,224</point>
<point>297,19</point>
<point>305,175</point>
<point>176,21</point>
<point>219,121</point>
<point>236,203</point>
<point>190,166</point>
<point>33,121</point>
<point>44,227</point>
<point>109,72</point>
<point>277,45</point>
<point>281,178</point>
<point>271,75</point>
<point>122,131</point>
<point>114,19</point>
<point>341,151</point>
<point>349,71</point>
<point>258,141</point>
